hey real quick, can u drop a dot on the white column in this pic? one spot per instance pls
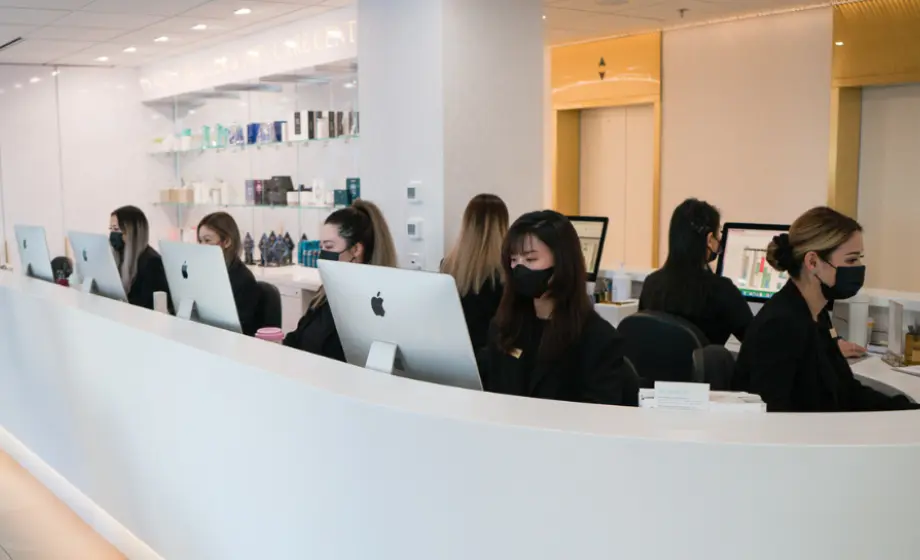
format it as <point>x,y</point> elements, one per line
<point>451,95</point>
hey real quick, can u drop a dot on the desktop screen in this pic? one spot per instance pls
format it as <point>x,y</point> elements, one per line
<point>591,233</point>
<point>744,259</point>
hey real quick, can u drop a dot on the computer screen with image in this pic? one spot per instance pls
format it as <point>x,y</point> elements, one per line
<point>592,233</point>
<point>744,259</point>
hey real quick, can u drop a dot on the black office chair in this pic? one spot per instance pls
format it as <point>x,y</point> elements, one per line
<point>661,347</point>
<point>269,306</point>
<point>715,365</point>
<point>631,388</point>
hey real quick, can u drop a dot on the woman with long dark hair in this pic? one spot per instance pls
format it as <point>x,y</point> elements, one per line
<point>686,287</point>
<point>139,265</point>
<point>547,341</point>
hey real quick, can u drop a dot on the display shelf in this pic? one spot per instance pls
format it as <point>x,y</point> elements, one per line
<point>236,148</point>
<point>248,206</point>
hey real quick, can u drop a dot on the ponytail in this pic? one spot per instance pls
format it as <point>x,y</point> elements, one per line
<point>383,252</point>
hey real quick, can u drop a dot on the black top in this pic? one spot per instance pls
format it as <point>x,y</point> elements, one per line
<point>479,310</point>
<point>316,334</point>
<point>591,371</point>
<point>150,278</point>
<point>246,294</point>
<point>795,365</point>
<point>723,313</point>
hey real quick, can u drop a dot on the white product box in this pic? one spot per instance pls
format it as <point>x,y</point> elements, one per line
<point>719,401</point>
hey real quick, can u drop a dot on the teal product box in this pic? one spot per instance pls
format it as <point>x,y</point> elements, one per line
<point>353,186</point>
<point>341,198</point>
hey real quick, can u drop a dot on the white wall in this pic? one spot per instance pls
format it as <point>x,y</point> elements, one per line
<point>889,193</point>
<point>746,116</point>
<point>617,165</point>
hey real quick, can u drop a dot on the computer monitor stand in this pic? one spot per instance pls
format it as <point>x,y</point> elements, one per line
<point>187,310</point>
<point>88,286</point>
<point>383,357</point>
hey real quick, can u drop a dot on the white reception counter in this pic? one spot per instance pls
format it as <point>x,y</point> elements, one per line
<point>208,445</point>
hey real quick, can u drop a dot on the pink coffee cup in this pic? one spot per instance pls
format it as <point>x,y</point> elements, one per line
<point>271,334</point>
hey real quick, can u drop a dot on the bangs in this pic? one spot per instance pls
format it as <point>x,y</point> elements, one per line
<point>520,238</point>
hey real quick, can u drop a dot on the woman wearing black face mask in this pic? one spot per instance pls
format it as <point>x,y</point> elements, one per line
<point>139,265</point>
<point>790,356</point>
<point>357,234</point>
<point>546,340</point>
<point>686,286</point>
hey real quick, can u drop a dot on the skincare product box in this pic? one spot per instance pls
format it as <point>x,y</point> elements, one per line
<point>281,131</point>
<point>252,133</point>
<point>299,129</point>
<point>293,198</point>
<point>250,191</point>
<point>340,197</point>
<point>259,190</point>
<point>353,123</point>
<point>311,125</point>
<point>330,123</point>
<point>353,187</point>
<point>320,125</point>
<point>339,123</point>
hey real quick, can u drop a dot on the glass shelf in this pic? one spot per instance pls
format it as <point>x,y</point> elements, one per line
<point>265,206</point>
<point>243,147</point>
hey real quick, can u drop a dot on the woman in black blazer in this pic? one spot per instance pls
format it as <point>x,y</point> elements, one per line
<point>356,234</point>
<point>547,341</point>
<point>139,265</point>
<point>220,229</point>
<point>475,262</point>
<point>686,286</point>
<point>791,356</point>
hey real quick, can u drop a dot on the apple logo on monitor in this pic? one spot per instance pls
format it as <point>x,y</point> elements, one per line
<point>377,305</point>
<point>85,256</point>
<point>185,270</point>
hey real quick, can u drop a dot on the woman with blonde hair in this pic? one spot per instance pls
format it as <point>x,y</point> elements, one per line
<point>140,266</point>
<point>357,234</point>
<point>475,262</point>
<point>790,355</point>
<point>220,229</point>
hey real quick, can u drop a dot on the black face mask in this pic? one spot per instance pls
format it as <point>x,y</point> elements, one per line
<point>117,241</point>
<point>850,280</point>
<point>332,256</point>
<point>531,283</point>
<point>713,255</point>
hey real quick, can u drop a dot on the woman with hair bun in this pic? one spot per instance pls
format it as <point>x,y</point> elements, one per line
<point>790,356</point>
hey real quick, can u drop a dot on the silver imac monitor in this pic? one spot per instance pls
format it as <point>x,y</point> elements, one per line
<point>744,259</point>
<point>33,252</point>
<point>592,233</point>
<point>404,322</point>
<point>95,264</point>
<point>199,284</point>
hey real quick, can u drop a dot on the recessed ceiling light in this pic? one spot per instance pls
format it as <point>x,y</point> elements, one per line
<point>102,59</point>
<point>544,16</point>
<point>56,72</point>
<point>34,80</point>
<point>200,27</point>
<point>162,39</point>
<point>290,44</point>
<point>131,50</point>
<point>253,53</point>
<point>18,86</point>
<point>243,12</point>
<point>839,43</point>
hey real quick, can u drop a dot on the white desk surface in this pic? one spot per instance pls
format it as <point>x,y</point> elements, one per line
<point>207,430</point>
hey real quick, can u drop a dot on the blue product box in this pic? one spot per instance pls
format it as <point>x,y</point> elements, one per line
<point>353,186</point>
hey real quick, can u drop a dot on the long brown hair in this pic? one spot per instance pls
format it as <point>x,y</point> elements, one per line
<point>476,258</point>
<point>567,288</point>
<point>226,229</point>
<point>820,230</point>
<point>363,223</point>
<point>136,232</point>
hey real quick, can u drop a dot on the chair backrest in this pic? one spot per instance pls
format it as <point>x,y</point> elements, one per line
<point>661,347</point>
<point>270,306</point>
<point>631,385</point>
<point>714,365</point>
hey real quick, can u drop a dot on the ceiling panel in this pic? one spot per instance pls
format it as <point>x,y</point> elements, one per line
<point>74,34</point>
<point>148,7</point>
<point>224,9</point>
<point>41,51</point>
<point>126,22</point>
<point>20,16</point>
<point>10,32</point>
<point>46,4</point>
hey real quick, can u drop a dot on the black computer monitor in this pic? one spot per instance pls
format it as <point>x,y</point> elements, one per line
<point>592,232</point>
<point>744,259</point>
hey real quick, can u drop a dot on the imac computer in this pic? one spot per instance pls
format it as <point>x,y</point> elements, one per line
<point>403,322</point>
<point>592,232</point>
<point>33,252</point>
<point>744,259</point>
<point>199,284</point>
<point>95,264</point>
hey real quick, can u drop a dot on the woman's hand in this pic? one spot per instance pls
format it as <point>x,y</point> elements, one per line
<point>851,349</point>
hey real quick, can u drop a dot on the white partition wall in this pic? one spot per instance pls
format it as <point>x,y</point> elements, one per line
<point>889,185</point>
<point>617,159</point>
<point>746,116</point>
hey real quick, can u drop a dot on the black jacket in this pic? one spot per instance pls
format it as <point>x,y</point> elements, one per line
<point>479,310</point>
<point>316,334</point>
<point>795,365</point>
<point>723,313</point>
<point>150,278</point>
<point>246,294</point>
<point>591,371</point>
